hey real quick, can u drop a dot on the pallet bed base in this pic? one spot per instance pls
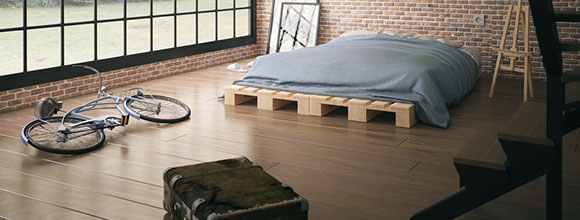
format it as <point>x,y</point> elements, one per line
<point>361,110</point>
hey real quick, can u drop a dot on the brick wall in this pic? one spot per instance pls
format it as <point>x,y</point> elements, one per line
<point>449,19</point>
<point>28,96</point>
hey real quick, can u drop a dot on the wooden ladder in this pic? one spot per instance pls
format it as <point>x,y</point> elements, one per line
<point>513,53</point>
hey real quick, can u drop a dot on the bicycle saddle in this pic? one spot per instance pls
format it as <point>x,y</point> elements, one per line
<point>46,107</point>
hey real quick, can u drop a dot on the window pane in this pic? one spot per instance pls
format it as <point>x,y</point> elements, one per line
<point>136,8</point>
<point>138,36</point>
<point>109,9</point>
<point>10,14</point>
<point>110,40</point>
<point>242,23</point>
<point>225,25</point>
<point>242,3</point>
<point>79,44</point>
<point>185,30</point>
<point>163,33</point>
<point>40,12</point>
<point>205,5</point>
<point>162,7</point>
<point>75,11</point>
<point>224,4</point>
<point>206,27</point>
<point>43,48</point>
<point>185,5</point>
<point>11,46</point>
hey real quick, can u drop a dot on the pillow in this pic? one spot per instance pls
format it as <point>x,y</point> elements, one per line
<point>388,32</point>
<point>422,37</point>
<point>407,35</point>
<point>451,43</point>
<point>425,37</point>
<point>358,33</point>
<point>474,53</point>
<point>401,34</point>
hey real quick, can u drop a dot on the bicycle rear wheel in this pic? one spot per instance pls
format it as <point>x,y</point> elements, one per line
<point>170,110</point>
<point>44,135</point>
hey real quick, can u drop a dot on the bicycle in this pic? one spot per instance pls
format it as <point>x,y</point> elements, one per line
<point>75,133</point>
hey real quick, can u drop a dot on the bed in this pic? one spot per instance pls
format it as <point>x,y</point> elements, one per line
<point>426,73</point>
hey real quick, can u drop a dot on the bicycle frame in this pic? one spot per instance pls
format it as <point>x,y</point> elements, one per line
<point>97,104</point>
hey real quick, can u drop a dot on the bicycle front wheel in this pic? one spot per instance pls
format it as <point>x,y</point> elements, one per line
<point>158,108</point>
<point>44,135</point>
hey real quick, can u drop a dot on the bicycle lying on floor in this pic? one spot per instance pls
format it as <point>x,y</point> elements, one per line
<point>75,133</point>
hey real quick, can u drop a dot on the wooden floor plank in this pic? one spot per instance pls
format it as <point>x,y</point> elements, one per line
<point>77,199</point>
<point>83,179</point>
<point>139,172</point>
<point>17,206</point>
<point>324,211</point>
<point>347,199</point>
<point>359,169</point>
<point>403,193</point>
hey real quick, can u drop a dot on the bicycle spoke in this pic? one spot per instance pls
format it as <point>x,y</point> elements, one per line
<point>92,131</point>
<point>48,124</point>
<point>40,134</point>
<point>70,132</point>
<point>48,132</point>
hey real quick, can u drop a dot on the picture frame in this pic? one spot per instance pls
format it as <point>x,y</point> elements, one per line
<point>275,20</point>
<point>298,26</point>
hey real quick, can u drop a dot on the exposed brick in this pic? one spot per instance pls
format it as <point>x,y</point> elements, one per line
<point>43,96</point>
<point>14,90</point>
<point>37,91</point>
<point>7,97</point>
<point>71,90</point>
<point>14,102</point>
<point>57,93</point>
<point>23,94</point>
<point>23,97</point>
<point>76,83</point>
<point>50,89</point>
<point>29,99</point>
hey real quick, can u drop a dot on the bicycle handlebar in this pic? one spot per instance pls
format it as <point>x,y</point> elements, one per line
<point>100,92</point>
<point>87,67</point>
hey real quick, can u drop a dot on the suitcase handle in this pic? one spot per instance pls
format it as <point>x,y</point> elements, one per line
<point>173,180</point>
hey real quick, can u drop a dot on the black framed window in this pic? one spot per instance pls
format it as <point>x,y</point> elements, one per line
<point>40,39</point>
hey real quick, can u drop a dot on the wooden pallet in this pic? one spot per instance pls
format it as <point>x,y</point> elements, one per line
<point>360,110</point>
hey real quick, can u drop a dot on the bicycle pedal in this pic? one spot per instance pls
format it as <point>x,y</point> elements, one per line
<point>125,120</point>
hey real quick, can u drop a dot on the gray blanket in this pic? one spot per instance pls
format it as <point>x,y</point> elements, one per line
<point>380,67</point>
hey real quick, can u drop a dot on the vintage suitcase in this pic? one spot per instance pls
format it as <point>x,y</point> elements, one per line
<point>229,189</point>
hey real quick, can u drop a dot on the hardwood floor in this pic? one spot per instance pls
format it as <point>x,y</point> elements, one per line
<point>347,170</point>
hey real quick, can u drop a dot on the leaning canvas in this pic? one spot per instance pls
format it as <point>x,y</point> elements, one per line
<point>298,26</point>
<point>275,21</point>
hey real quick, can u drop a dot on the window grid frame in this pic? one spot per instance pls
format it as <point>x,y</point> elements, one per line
<point>15,80</point>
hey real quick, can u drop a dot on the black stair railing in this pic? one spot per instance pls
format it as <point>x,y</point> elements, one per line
<point>531,142</point>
